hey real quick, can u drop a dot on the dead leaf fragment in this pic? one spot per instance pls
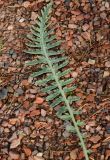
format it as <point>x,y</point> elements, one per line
<point>95,139</point>
<point>107,154</point>
<point>85,27</point>
<point>73,154</point>
<point>27,151</point>
<point>26,104</point>
<point>34,16</point>
<point>1,3</point>
<point>13,155</point>
<point>96,146</point>
<point>35,113</point>
<point>70,43</point>
<point>25,82</point>
<point>80,17</point>
<point>86,36</point>
<point>76,12</point>
<point>90,98</point>
<point>41,124</point>
<point>15,143</point>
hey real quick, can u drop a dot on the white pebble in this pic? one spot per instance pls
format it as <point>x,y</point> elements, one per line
<point>43,112</point>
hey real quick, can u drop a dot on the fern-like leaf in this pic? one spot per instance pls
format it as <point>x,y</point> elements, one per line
<point>43,43</point>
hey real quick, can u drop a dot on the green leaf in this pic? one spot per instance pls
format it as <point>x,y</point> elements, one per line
<point>62,65</point>
<point>56,102</point>
<point>31,45</point>
<point>37,51</point>
<point>57,60</point>
<point>30,37</point>
<point>66,90</point>
<point>39,20</point>
<point>36,61</point>
<point>61,110</point>
<point>80,123</point>
<point>36,29</point>
<point>39,73</point>
<point>50,39</point>
<point>52,62</point>
<point>40,23</point>
<point>61,74</point>
<point>53,96</point>
<point>76,112</point>
<point>46,80</point>
<point>70,128</point>
<point>54,53</point>
<point>89,151</point>
<point>65,117</point>
<point>48,33</point>
<point>53,45</point>
<point>45,11</point>
<point>35,33</point>
<point>84,136</point>
<point>49,88</point>
<point>64,83</point>
<point>72,99</point>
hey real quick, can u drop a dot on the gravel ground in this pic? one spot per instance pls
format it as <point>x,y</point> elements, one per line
<point>29,128</point>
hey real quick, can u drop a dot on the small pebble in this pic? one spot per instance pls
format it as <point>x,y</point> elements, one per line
<point>14,56</point>
<point>74,74</point>
<point>85,27</point>
<point>27,130</point>
<point>108,129</point>
<point>103,15</point>
<point>73,154</point>
<point>106,74</point>
<point>3,93</point>
<point>14,155</point>
<point>87,127</point>
<point>107,5</point>
<point>72,26</point>
<point>6,130</point>
<point>19,91</point>
<point>2,64</point>
<point>107,64</point>
<point>39,154</point>
<point>102,157</point>
<point>21,20</point>
<point>91,61</point>
<point>43,112</point>
<point>38,158</point>
<point>10,27</point>
<point>25,82</point>
<point>66,134</point>
<point>26,4</point>
<point>34,16</point>
<point>39,100</point>
<point>33,91</point>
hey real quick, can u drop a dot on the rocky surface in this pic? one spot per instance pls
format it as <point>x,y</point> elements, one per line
<point>29,127</point>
